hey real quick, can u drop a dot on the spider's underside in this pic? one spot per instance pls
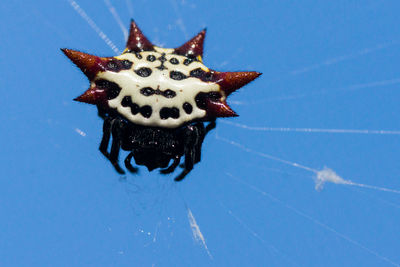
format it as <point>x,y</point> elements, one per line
<point>155,101</point>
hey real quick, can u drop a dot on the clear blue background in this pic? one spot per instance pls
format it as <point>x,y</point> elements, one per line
<point>326,64</point>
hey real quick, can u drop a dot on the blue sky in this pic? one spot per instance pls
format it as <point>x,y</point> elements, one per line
<point>327,65</point>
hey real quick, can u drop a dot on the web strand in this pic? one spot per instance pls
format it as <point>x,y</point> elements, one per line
<point>321,177</point>
<point>94,26</point>
<point>117,18</point>
<point>313,130</point>
<point>341,58</point>
<point>323,91</point>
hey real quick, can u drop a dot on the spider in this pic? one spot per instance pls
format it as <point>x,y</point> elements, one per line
<point>157,103</point>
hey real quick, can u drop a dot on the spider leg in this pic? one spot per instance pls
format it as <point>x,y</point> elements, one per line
<point>106,136</point>
<point>111,126</point>
<point>210,126</point>
<point>172,167</point>
<point>199,142</point>
<point>192,138</point>
<point>188,167</point>
<point>128,163</point>
<point>116,127</point>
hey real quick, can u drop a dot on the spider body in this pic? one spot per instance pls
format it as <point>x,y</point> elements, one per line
<point>155,101</point>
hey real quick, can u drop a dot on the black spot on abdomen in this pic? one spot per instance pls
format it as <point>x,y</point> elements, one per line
<point>198,73</point>
<point>112,89</point>
<point>188,61</point>
<point>162,58</point>
<point>126,101</point>
<point>135,108</point>
<point>147,91</point>
<point>169,93</point>
<point>203,75</point>
<point>126,64</point>
<point>146,111</point>
<point>174,61</point>
<point>187,107</point>
<point>201,98</point>
<point>115,65</point>
<point>151,58</point>
<point>166,113</point>
<point>177,75</point>
<point>143,72</point>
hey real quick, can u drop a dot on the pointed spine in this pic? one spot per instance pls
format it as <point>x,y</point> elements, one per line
<point>89,64</point>
<point>219,109</point>
<point>137,42</point>
<point>193,47</point>
<point>93,96</point>
<point>231,81</point>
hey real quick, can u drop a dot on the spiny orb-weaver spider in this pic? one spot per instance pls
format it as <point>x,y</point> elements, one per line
<point>154,101</point>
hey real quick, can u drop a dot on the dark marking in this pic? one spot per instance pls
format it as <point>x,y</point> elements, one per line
<point>138,56</point>
<point>174,61</point>
<point>116,65</point>
<point>198,73</point>
<point>177,75</point>
<point>151,58</point>
<point>146,111</point>
<point>143,72</point>
<point>214,96</point>
<point>112,66</point>
<point>166,113</point>
<point>169,93</point>
<point>174,113</point>
<point>161,67</point>
<point>147,91</point>
<point>187,61</point>
<point>162,58</point>
<point>201,98</point>
<point>208,76</point>
<point>126,64</point>
<point>135,108</point>
<point>126,101</point>
<point>187,108</point>
<point>112,89</point>
<point>205,76</point>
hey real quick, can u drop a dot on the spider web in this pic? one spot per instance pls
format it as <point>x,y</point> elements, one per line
<point>274,187</point>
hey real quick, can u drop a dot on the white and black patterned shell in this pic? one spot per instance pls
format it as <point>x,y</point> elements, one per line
<point>159,89</point>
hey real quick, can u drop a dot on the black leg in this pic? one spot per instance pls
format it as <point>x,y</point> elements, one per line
<point>115,147</point>
<point>192,138</point>
<point>106,137</point>
<point>189,162</point>
<point>116,126</point>
<point>128,164</point>
<point>182,175</point>
<point>172,167</point>
<point>112,126</point>
<point>201,135</point>
<point>210,126</point>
